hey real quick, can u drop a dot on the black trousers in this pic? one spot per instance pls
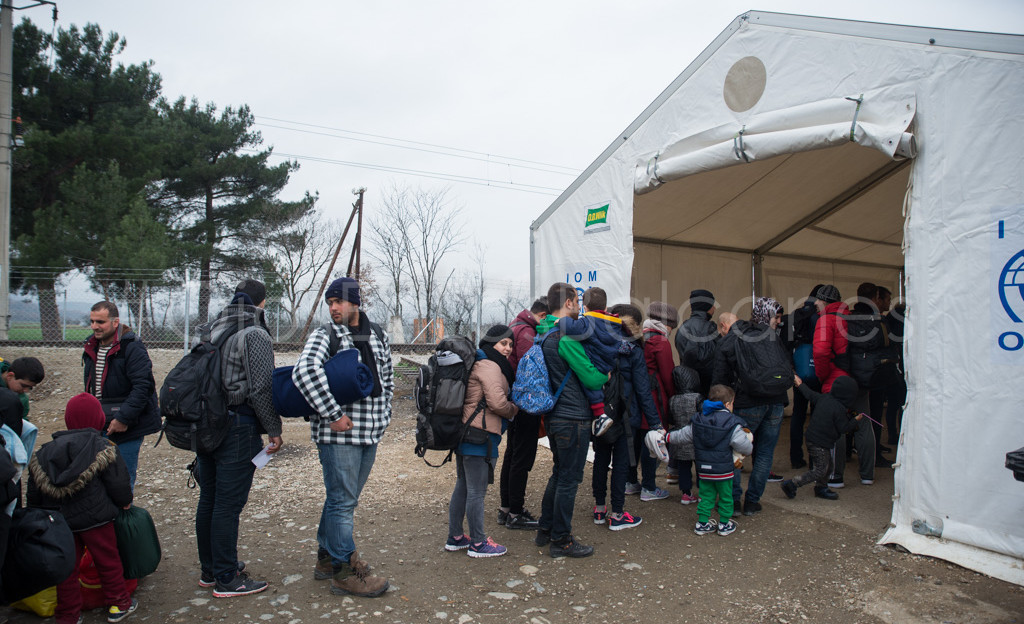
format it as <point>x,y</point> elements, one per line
<point>520,453</point>
<point>799,419</point>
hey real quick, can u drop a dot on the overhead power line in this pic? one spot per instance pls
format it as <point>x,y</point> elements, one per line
<point>567,170</point>
<point>449,177</point>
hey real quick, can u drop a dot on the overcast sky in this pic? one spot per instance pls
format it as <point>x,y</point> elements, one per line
<point>525,94</point>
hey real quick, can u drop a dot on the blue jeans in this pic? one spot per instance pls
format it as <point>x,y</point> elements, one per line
<point>615,454</point>
<point>225,477</point>
<point>764,421</point>
<point>130,452</point>
<point>346,468</point>
<point>570,440</point>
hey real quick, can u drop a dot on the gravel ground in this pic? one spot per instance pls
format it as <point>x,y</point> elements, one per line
<point>803,560</point>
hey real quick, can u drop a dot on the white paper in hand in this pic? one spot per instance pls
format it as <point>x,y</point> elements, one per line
<point>262,458</point>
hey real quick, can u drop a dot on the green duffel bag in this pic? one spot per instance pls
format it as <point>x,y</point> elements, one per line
<point>137,542</point>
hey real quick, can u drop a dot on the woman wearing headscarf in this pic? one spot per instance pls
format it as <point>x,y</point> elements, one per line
<point>487,409</point>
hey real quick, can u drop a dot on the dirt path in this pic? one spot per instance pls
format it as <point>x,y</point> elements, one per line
<point>804,560</point>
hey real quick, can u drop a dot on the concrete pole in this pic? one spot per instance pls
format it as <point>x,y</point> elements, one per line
<point>6,84</point>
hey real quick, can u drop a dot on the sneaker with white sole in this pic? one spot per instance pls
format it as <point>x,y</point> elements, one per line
<point>703,528</point>
<point>625,521</point>
<point>241,585</point>
<point>655,494</point>
<point>671,478</point>
<point>486,548</point>
<point>867,481</point>
<point>117,614</point>
<point>600,425</point>
<point>726,528</point>
<point>633,488</point>
<point>836,483</point>
<point>207,579</point>
<point>688,499</point>
<point>774,478</point>
<point>458,542</point>
<point>600,515</point>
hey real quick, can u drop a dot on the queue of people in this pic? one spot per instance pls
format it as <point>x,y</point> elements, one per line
<point>619,392</point>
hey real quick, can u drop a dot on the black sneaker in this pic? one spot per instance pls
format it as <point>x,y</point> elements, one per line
<point>750,508</point>
<point>836,483</point>
<point>789,488</point>
<point>503,517</point>
<point>569,547</point>
<point>774,478</point>
<point>524,521</point>
<point>206,578</point>
<point>117,614</point>
<point>241,585</point>
<point>824,492</point>
<point>543,537</point>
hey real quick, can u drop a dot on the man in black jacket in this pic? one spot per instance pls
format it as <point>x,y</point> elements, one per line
<point>118,372</point>
<point>697,338</point>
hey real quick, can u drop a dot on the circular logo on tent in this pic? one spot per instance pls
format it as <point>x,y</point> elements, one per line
<point>1011,287</point>
<point>744,84</point>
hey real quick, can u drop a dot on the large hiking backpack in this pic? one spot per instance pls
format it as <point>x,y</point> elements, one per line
<point>870,357</point>
<point>440,393</point>
<point>763,367</point>
<point>531,391</point>
<point>193,401</point>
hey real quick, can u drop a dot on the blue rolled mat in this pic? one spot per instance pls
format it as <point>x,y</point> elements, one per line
<point>349,380</point>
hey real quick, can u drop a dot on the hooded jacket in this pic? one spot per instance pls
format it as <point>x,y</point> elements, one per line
<point>128,385</point>
<point>82,475</point>
<point>830,341</point>
<point>524,330</point>
<point>831,417</point>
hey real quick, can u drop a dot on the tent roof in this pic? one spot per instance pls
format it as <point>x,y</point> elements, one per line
<point>825,216</point>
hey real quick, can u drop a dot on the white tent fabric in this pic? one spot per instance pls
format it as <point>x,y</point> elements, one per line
<point>675,204</point>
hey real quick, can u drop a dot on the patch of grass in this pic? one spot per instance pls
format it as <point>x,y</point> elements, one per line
<point>33,331</point>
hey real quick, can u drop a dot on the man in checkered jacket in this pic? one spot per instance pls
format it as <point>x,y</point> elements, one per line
<point>346,436</point>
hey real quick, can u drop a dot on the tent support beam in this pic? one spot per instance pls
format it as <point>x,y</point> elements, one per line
<point>836,203</point>
<point>747,252</point>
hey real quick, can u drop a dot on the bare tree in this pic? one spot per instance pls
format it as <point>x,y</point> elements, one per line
<point>513,300</point>
<point>413,233</point>
<point>387,235</point>
<point>299,253</point>
<point>458,306</point>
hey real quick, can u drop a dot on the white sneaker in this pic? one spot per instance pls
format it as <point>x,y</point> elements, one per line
<point>600,425</point>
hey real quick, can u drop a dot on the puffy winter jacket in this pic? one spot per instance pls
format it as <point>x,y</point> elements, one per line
<point>697,340</point>
<point>82,475</point>
<point>488,384</point>
<point>829,341</point>
<point>524,330</point>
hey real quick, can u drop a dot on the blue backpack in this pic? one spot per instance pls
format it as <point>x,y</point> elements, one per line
<point>531,391</point>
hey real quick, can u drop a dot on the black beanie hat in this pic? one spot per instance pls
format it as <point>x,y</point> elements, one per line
<point>253,289</point>
<point>344,288</point>
<point>495,334</point>
<point>702,300</point>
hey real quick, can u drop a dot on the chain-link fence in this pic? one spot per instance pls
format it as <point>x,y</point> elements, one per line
<point>162,307</point>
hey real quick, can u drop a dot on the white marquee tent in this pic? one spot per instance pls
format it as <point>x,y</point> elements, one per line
<point>797,150</point>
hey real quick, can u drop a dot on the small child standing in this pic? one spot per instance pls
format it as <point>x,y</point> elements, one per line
<point>830,420</point>
<point>716,432</point>
<point>82,475</point>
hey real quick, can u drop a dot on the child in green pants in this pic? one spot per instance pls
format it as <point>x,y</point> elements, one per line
<point>716,432</point>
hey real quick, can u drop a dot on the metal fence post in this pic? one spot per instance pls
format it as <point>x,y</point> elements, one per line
<point>187,290</point>
<point>64,318</point>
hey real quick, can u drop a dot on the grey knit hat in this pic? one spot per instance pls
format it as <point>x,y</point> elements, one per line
<point>829,294</point>
<point>661,311</point>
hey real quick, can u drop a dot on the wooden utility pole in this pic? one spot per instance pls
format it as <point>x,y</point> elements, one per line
<point>357,215</point>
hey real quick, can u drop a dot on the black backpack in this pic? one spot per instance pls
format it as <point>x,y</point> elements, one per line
<point>193,401</point>
<point>440,393</point>
<point>40,553</point>
<point>870,358</point>
<point>763,367</point>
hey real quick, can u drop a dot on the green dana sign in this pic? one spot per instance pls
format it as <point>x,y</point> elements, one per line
<point>597,218</point>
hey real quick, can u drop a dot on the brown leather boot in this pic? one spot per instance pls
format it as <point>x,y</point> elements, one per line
<point>355,578</point>
<point>323,569</point>
<point>358,564</point>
